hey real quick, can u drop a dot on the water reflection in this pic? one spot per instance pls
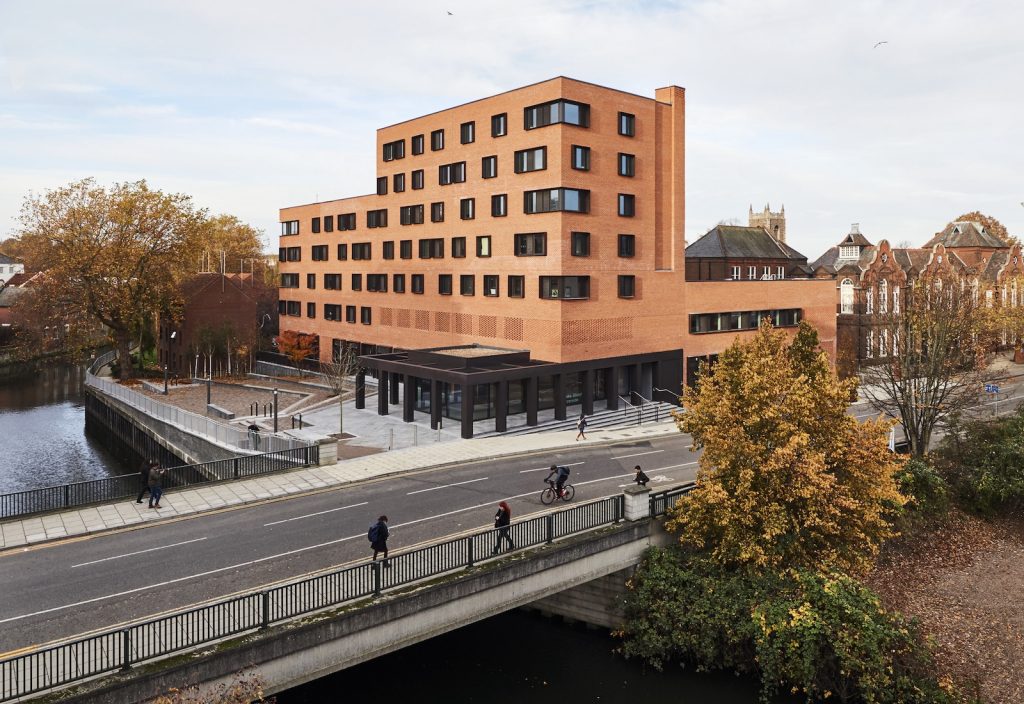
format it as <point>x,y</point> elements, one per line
<point>42,432</point>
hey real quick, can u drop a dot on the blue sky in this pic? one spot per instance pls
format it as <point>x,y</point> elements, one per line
<point>256,105</point>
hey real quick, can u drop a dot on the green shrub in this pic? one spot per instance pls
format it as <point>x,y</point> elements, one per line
<point>984,461</point>
<point>926,490</point>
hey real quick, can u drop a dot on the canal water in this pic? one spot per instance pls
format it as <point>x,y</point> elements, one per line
<point>42,432</point>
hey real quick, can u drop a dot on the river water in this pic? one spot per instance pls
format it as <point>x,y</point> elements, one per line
<point>514,657</point>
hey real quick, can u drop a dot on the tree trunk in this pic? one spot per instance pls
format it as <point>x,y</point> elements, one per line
<point>124,353</point>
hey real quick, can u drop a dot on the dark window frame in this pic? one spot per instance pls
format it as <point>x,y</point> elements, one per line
<point>627,124</point>
<point>627,205</point>
<point>467,132</point>
<point>516,286</point>
<point>626,246</point>
<point>525,244</point>
<point>579,149</point>
<point>521,160</point>
<point>627,164</point>
<point>627,286</point>
<point>499,125</point>
<point>579,244</point>
<point>444,284</point>
<point>499,205</point>
<point>437,140</point>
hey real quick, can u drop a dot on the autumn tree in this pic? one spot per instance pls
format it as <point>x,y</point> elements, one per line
<point>296,346</point>
<point>938,340</point>
<point>992,226</point>
<point>238,245</point>
<point>787,479</point>
<point>339,374</point>
<point>115,255</point>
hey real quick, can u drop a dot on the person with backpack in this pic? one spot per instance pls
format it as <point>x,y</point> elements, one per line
<point>562,473</point>
<point>581,425</point>
<point>378,536</point>
<point>501,520</point>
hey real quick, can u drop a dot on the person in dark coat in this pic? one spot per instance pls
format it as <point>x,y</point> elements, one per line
<point>581,426</point>
<point>501,521</point>
<point>144,479</point>
<point>641,478</point>
<point>380,542</point>
<point>156,486</point>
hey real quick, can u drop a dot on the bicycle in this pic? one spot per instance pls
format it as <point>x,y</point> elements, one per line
<point>550,495</point>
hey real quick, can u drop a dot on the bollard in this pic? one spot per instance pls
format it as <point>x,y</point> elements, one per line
<point>415,435</point>
<point>391,438</point>
<point>265,617</point>
<point>300,421</point>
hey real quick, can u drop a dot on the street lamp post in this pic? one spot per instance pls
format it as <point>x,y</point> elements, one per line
<point>275,410</point>
<point>165,380</point>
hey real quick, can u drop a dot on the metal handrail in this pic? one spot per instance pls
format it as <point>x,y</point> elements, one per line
<point>122,647</point>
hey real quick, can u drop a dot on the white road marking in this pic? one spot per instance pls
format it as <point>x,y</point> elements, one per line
<point>548,468</point>
<point>137,552</point>
<point>639,454</point>
<point>446,486</point>
<point>656,479</point>
<point>673,466</point>
<point>318,513</point>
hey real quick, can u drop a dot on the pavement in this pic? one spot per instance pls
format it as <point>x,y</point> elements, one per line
<point>423,449</point>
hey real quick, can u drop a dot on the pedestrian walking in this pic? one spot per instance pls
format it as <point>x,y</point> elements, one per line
<point>156,487</point>
<point>581,425</point>
<point>641,478</point>
<point>144,479</point>
<point>378,535</point>
<point>254,435</point>
<point>501,521</point>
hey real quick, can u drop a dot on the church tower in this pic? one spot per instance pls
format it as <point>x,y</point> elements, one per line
<point>775,223</point>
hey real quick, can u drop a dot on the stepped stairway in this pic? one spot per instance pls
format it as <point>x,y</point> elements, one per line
<point>629,415</point>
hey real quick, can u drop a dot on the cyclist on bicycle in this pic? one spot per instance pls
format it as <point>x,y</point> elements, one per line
<point>563,476</point>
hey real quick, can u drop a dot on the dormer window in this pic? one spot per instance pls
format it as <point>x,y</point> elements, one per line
<point>849,252</point>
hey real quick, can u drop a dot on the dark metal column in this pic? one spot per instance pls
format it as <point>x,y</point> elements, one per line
<point>382,394</point>
<point>409,400</point>
<point>611,386</point>
<point>558,382</point>
<point>361,389</point>
<point>532,385</point>
<point>501,408</point>
<point>588,392</point>
<point>395,376</point>
<point>467,410</point>
<point>435,404</point>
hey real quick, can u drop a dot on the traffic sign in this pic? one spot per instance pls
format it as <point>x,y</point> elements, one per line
<point>992,388</point>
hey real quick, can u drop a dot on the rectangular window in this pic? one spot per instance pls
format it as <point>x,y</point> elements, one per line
<point>444,284</point>
<point>627,245</point>
<point>467,285</point>
<point>398,183</point>
<point>516,286</point>
<point>567,111</point>
<point>282,307</point>
<point>432,248</point>
<point>751,272</point>
<point>377,218</point>
<point>499,125</point>
<point>342,252</point>
<point>580,158</point>
<point>389,250</point>
<point>310,280</point>
<point>350,314</point>
<point>332,311</point>
<point>294,308</point>
<point>293,254</point>
<point>417,179</point>
<point>346,221</point>
<point>320,253</point>
<point>531,244</point>
<point>417,144</point>
<point>365,315</point>
<point>535,159</point>
<point>332,282</point>
<point>499,205</point>
<point>357,282</point>
<point>490,284</point>
<point>377,283</point>
<point>627,205</point>
<point>394,150</point>
<point>550,200</point>
<point>489,167</point>
<point>483,246</point>
<point>736,273</point>
<point>328,223</point>
<point>451,173</point>
<point>437,140</point>
<point>417,283</point>
<point>311,310</point>
<point>290,227</point>
<point>361,251</point>
<point>458,247</point>
<point>405,249</point>
<point>580,244</point>
<point>567,287</point>
<point>467,132</point>
<point>382,186</point>
<point>627,286</point>
<point>780,272</point>
<point>627,165</point>
<point>467,208</point>
<point>627,124</point>
<point>743,320</point>
<point>398,283</point>
<point>437,212</point>
<point>410,215</point>
<point>315,226</point>
<point>289,280</point>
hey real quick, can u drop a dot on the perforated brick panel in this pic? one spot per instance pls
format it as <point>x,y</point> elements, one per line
<point>403,317</point>
<point>422,320</point>
<point>579,332</point>
<point>387,316</point>
<point>513,328</point>
<point>442,322</point>
<point>464,323</point>
<point>488,325</point>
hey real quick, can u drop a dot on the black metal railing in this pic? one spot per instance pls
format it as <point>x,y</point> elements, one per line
<point>663,501</point>
<point>63,496</point>
<point>109,651</point>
